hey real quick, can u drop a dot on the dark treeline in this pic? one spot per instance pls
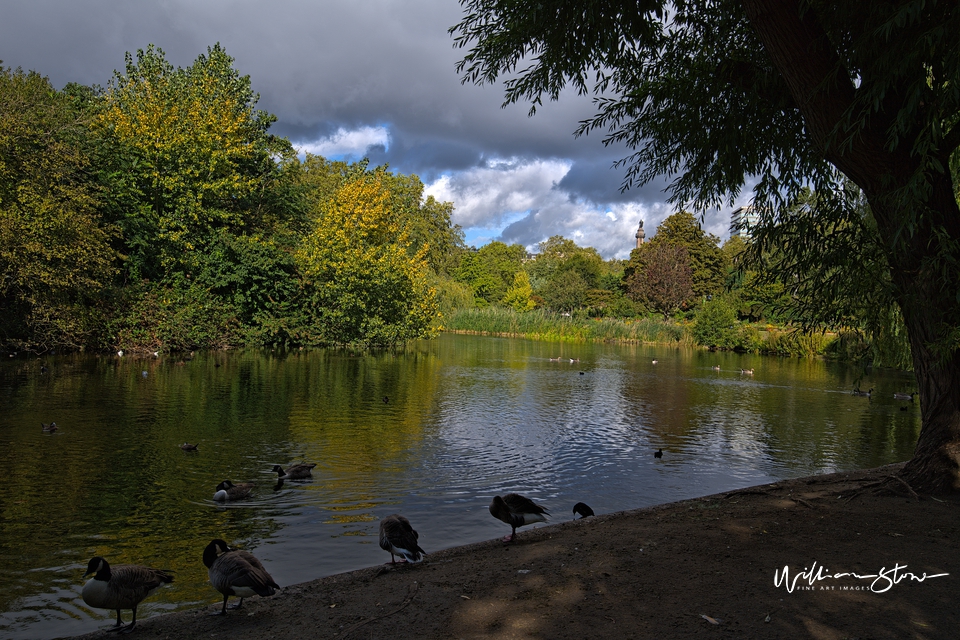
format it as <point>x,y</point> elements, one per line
<point>159,214</point>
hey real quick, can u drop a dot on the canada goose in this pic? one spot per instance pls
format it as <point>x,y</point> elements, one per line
<point>903,396</point>
<point>572,360</point>
<point>296,472</point>
<point>658,453</point>
<point>583,510</point>
<point>226,490</point>
<point>236,573</point>
<point>123,586</point>
<point>399,538</point>
<point>746,372</point>
<point>186,446</point>
<point>48,428</point>
<point>863,394</point>
<point>654,361</point>
<point>516,511</point>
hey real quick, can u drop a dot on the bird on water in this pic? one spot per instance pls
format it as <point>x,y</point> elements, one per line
<point>226,490</point>
<point>658,453</point>
<point>296,472</point>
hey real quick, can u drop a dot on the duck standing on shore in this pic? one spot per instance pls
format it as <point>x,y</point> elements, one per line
<point>236,573</point>
<point>399,538</point>
<point>583,510</point>
<point>123,586</point>
<point>516,511</point>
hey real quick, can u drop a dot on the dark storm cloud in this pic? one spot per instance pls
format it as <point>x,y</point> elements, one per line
<point>335,68</point>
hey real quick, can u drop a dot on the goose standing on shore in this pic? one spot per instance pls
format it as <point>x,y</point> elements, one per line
<point>296,472</point>
<point>226,490</point>
<point>399,538</point>
<point>123,586</point>
<point>516,511</point>
<point>583,510</point>
<point>236,573</point>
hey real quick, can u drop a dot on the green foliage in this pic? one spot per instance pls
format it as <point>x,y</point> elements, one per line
<point>361,285</point>
<point>519,296</point>
<point>191,153</point>
<point>55,254</point>
<point>661,277</point>
<point>715,325</point>
<point>708,263</point>
<point>490,270</point>
<point>174,317</point>
<point>554,327</point>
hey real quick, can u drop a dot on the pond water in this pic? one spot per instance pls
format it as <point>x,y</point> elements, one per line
<point>432,431</point>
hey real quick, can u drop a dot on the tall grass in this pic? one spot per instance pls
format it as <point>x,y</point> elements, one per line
<point>552,327</point>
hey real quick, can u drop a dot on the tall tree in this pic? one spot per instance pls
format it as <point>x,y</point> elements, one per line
<point>197,147</point>
<point>708,263</point>
<point>361,285</point>
<point>795,92</point>
<point>55,254</point>
<point>662,277</point>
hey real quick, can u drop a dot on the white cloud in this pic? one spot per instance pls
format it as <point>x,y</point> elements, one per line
<point>348,143</point>
<point>519,201</point>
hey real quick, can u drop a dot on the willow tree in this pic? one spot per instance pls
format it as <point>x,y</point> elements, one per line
<point>793,94</point>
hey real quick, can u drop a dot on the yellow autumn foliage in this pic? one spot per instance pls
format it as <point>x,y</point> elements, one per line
<point>362,283</point>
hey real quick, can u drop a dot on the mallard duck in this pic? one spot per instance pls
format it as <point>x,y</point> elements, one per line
<point>123,586</point>
<point>516,511</point>
<point>186,446</point>
<point>583,510</point>
<point>399,538</point>
<point>236,573</point>
<point>296,472</point>
<point>658,453</point>
<point>226,490</point>
<point>48,428</point>
<point>903,396</point>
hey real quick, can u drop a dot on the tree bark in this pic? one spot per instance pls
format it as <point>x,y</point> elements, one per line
<point>927,287</point>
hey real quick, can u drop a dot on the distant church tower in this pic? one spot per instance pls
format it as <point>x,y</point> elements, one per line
<point>640,235</point>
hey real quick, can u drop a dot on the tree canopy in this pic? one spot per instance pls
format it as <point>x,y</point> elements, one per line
<point>788,95</point>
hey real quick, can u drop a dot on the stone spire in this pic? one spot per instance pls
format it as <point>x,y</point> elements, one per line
<point>640,234</point>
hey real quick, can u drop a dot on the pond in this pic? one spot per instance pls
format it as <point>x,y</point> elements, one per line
<point>431,431</point>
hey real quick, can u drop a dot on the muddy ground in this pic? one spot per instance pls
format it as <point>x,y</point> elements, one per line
<point>698,568</point>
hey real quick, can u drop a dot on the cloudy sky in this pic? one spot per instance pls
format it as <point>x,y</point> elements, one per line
<point>376,78</point>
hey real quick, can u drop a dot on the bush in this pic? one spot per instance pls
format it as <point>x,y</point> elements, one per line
<point>715,325</point>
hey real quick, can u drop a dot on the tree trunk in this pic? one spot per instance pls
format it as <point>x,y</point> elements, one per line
<point>927,286</point>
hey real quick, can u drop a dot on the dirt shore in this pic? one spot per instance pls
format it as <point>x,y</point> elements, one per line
<point>704,567</point>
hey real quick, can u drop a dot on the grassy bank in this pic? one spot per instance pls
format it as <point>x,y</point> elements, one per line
<point>552,327</point>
